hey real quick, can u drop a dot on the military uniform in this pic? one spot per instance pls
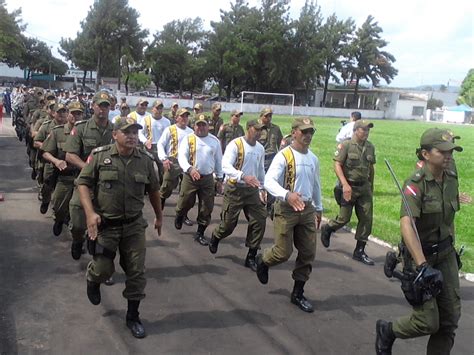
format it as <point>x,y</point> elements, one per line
<point>270,138</point>
<point>84,137</point>
<point>229,132</point>
<point>215,122</point>
<point>433,204</point>
<point>242,159</point>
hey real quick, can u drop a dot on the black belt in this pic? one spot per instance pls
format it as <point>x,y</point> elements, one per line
<point>432,249</point>
<point>119,221</point>
<point>356,183</point>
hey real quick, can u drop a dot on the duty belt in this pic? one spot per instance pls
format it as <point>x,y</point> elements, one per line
<point>432,249</point>
<point>356,183</point>
<point>117,222</point>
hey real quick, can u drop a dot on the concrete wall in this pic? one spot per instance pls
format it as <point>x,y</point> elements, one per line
<point>404,110</point>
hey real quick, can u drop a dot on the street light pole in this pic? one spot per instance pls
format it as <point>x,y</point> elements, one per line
<point>49,76</point>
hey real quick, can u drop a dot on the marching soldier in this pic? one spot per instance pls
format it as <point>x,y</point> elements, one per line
<point>294,179</point>
<point>197,110</point>
<point>171,116</point>
<point>66,173</point>
<point>230,131</point>
<point>354,166</point>
<point>216,121</point>
<point>200,157</point>
<point>119,174</point>
<point>157,125</point>
<point>242,164</point>
<point>432,196</point>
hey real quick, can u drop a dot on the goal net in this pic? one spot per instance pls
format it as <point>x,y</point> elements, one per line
<point>268,99</point>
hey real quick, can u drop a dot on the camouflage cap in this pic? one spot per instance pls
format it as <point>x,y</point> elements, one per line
<point>75,106</point>
<point>122,123</point>
<point>51,103</point>
<point>363,124</point>
<point>198,106</point>
<point>59,106</point>
<point>216,106</point>
<point>202,118</point>
<point>266,111</point>
<point>174,104</point>
<point>182,111</point>
<point>124,106</point>
<point>101,97</point>
<point>440,139</point>
<point>236,113</point>
<point>142,101</point>
<point>38,91</point>
<point>254,123</point>
<point>50,96</point>
<point>158,103</point>
<point>302,123</point>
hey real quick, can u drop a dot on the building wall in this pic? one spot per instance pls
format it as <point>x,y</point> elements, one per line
<point>405,110</point>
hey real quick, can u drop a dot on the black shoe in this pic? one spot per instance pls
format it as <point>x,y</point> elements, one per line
<point>188,222</point>
<point>214,244</point>
<point>136,327</point>
<point>110,281</point>
<point>326,232</point>
<point>44,207</point>
<point>76,250</point>
<point>33,174</point>
<point>385,338</point>
<point>57,228</point>
<point>262,269</point>
<point>178,222</point>
<point>250,260</point>
<point>360,255</point>
<point>302,302</point>
<point>201,239</point>
<point>93,292</point>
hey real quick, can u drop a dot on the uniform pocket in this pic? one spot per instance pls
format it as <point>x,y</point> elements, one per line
<point>107,180</point>
<point>141,179</point>
<point>353,159</point>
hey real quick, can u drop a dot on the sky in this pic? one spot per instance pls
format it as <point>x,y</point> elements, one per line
<point>432,41</point>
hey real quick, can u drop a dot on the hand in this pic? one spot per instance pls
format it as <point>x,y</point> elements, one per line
<point>263,196</point>
<point>166,165</point>
<point>148,144</point>
<point>252,181</point>
<point>158,222</point>
<point>347,192</point>
<point>318,219</point>
<point>429,278</point>
<point>194,173</point>
<point>93,221</point>
<point>465,198</point>
<point>60,164</point>
<point>219,187</point>
<point>295,201</point>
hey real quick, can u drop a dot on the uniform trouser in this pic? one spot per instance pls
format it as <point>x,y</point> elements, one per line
<point>32,154</point>
<point>158,162</point>
<point>170,180</point>
<point>61,196</point>
<point>129,239</point>
<point>49,182</point>
<point>298,228</point>
<point>237,198</point>
<point>204,189</point>
<point>78,223</point>
<point>361,200</point>
<point>439,316</point>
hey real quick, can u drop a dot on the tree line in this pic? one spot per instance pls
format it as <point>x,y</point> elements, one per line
<point>256,48</point>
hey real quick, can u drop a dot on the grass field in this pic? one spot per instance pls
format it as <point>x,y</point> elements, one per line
<point>395,141</point>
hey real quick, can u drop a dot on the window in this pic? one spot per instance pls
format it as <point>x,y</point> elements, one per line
<point>417,111</point>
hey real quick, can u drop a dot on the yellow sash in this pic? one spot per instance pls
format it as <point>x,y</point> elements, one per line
<point>290,171</point>
<point>174,141</point>
<point>192,149</point>
<point>240,158</point>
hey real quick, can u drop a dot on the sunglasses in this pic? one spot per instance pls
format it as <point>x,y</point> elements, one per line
<point>308,130</point>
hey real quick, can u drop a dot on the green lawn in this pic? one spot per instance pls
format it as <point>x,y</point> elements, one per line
<point>395,141</point>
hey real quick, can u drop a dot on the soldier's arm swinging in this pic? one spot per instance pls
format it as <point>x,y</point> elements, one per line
<point>75,160</point>
<point>346,188</point>
<point>155,200</point>
<point>93,219</point>
<point>411,241</point>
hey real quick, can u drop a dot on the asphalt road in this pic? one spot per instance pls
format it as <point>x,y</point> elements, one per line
<point>196,303</point>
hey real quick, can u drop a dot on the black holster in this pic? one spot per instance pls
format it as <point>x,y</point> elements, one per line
<point>95,248</point>
<point>338,193</point>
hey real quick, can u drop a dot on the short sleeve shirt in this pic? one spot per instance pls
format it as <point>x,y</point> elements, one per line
<point>356,159</point>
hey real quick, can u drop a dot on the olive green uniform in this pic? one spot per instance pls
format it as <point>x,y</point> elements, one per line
<point>62,194</point>
<point>84,137</point>
<point>215,125</point>
<point>228,132</point>
<point>434,205</point>
<point>357,161</point>
<point>119,185</point>
<point>270,138</point>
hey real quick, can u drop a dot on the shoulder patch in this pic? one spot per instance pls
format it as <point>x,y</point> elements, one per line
<point>411,190</point>
<point>100,149</point>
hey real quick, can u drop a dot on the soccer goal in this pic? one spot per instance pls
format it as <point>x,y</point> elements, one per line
<point>267,98</point>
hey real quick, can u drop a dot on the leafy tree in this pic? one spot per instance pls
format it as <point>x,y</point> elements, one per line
<point>11,39</point>
<point>466,96</point>
<point>366,59</point>
<point>336,36</point>
<point>139,81</point>
<point>433,104</point>
<point>78,52</point>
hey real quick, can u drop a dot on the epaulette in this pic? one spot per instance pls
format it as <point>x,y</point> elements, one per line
<point>417,176</point>
<point>100,149</point>
<point>451,173</point>
<point>80,122</point>
<point>46,122</point>
<point>148,154</point>
<point>58,126</point>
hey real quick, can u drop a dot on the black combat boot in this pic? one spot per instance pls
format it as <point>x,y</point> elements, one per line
<point>110,281</point>
<point>385,337</point>
<point>262,269</point>
<point>163,200</point>
<point>93,292</point>
<point>178,222</point>
<point>187,221</point>
<point>298,299</point>
<point>133,320</point>
<point>57,227</point>
<point>213,244</point>
<point>44,207</point>
<point>326,232</point>
<point>76,249</point>
<point>199,236</point>
<point>250,259</point>
<point>360,255</point>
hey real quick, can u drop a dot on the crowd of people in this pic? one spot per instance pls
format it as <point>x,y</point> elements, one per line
<point>95,159</point>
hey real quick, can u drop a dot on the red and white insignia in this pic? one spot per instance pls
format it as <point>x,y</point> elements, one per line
<point>420,164</point>
<point>89,160</point>
<point>73,131</point>
<point>411,190</point>
<point>339,146</point>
